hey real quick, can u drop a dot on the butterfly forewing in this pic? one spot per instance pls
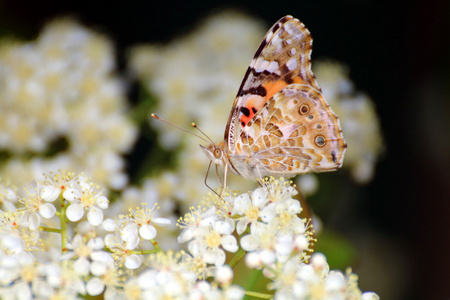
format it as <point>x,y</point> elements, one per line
<point>280,124</point>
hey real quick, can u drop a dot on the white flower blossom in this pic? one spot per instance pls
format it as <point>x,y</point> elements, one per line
<point>250,208</point>
<point>122,249</point>
<point>82,196</point>
<point>84,252</point>
<point>141,220</point>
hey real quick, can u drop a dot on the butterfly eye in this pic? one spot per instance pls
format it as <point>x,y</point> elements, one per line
<point>217,153</point>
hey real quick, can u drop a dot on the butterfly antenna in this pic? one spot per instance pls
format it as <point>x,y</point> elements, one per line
<point>167,122</point>
<point>196,127</point>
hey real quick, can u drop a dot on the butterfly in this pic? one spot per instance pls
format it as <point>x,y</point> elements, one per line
<point>280,124</point>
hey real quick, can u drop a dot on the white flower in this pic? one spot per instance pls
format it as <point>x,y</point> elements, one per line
<point>86,251</point>
<point>211,238</point>
<point>121,249</point>
<point>168,277</point>
<point>193,222</point>
<point>297,280</point>
<point>37,206</point>
<point>106,275</point>
<point>142,220</point>
<point>250,209</point>
<point>82,196</point>
<point>205,290</point>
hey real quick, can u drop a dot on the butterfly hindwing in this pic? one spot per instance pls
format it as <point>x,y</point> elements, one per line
<point>294,132</point>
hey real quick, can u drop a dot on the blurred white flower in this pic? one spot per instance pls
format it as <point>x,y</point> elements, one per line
<point>61,90</point>
<point>8,196</point>
<point>83,252</point>
<point>294,280</point>
<point>358,117</point>
<point>196,78</point>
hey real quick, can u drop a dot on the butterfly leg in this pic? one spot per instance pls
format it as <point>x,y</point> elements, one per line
<point>206,177</point>
<point>218,176</point>
<point>224,180</point>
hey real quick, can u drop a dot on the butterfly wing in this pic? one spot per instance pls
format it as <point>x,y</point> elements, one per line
<point>294,132</point>
<point>280,123</point>
<point>282,58</point>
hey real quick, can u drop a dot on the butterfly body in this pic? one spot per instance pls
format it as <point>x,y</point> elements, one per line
<point>280,124</point>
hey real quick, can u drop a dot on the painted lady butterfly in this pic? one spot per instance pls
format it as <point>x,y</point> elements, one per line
<point>280,123</point>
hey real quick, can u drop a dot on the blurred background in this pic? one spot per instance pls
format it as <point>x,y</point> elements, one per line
<point>385,65</point>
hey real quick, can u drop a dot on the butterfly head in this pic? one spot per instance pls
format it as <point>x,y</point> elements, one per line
<point>215,153</point>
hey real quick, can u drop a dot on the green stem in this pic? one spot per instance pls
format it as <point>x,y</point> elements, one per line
<point>155,244</point>
<point>259,295</point>
<point>49,229</point>
<point>237,258</point>
<point>63,224</point>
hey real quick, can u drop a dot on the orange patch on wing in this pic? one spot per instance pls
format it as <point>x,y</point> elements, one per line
<point>252,103</point>
<point>273,87</point>
<point>297,80</point>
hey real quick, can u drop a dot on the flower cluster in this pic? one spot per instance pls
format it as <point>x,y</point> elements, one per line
<point>62,103</point>
<point>35,264</point>
<point>120,257</point>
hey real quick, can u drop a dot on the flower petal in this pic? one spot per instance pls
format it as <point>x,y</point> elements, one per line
<point>161,221</point>
<point>95,216</point>
<point>241,204</point>
<point>75,212</point>
<point>34,221</point>
<point>249,242</point>
<point>95,286</point>
<point>102,202</point>
<point>71,194</point>
<point>133,262</point>
<point>109,225</point>
<point>147,232</point>
<point>50,193</point>
<point>259,197</point>
<point>229,243</point>
<point>81,266</point>
<point>47,210</point>
<point>242,225</point>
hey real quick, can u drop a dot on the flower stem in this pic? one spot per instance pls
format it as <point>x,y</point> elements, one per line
<point>47,229</point>
<point>259,295</point>
<point>155,244</point>
<point>237,258</point>
<point>63,224</point>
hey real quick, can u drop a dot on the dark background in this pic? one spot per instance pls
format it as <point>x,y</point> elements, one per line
<point>398,52</point>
